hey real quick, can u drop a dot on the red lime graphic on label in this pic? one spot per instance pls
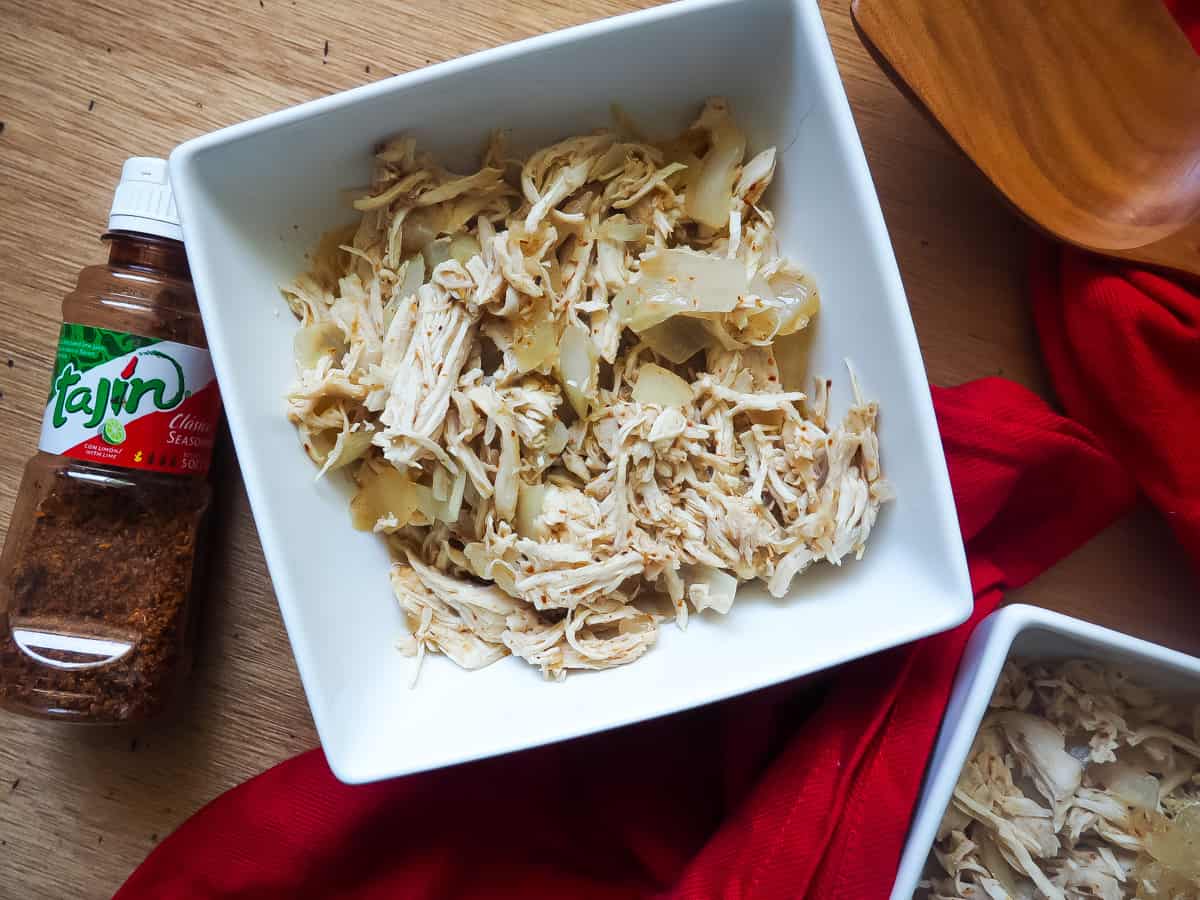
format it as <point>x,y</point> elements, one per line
<point>127,372</point>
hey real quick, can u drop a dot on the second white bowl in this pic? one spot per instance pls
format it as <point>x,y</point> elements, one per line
<point>1028,632</point>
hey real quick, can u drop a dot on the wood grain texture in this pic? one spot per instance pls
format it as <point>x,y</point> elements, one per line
<point>1086,115</point>
<point>80,808</point>
<point>1179,251</point>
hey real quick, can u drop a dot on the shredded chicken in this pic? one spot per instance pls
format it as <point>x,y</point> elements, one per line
<point>1080,784</point>
<point>554,384</point>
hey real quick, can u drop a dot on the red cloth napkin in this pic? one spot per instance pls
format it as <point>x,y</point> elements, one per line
<point>1123,350</point>
<point>757,797</point>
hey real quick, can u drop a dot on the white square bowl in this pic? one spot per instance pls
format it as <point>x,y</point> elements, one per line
<point>1030,633</point>
<point>255,197</point>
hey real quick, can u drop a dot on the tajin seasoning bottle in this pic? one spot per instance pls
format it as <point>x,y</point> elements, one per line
<point>102,549</point>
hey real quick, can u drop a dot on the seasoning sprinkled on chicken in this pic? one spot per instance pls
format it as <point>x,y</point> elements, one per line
<point>556,387</point>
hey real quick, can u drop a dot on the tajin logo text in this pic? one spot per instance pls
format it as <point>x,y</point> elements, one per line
<point>75,394</point>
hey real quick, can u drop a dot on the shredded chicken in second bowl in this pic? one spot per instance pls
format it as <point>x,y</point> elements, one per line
<point>1081,783</point>
<point>555,383</point>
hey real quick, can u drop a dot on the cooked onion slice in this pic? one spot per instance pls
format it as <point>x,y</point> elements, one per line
<point>680,282</point>
<point>661,386</point>
<point>710,198</point>
<point>314,342</point>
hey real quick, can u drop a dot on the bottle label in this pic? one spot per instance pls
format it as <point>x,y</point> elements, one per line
<point>126,400</point>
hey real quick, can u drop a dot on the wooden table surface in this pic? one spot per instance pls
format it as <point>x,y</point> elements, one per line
<point>84,85</point>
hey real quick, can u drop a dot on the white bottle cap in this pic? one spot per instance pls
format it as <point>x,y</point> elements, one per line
<point>143,201</point>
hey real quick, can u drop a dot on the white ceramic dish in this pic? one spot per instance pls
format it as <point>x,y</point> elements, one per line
<point>256,196</point>
<point>1027,632</point>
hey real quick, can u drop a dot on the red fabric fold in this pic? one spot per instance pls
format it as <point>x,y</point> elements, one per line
<point>809,775</point>
<point>1123,350</point>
